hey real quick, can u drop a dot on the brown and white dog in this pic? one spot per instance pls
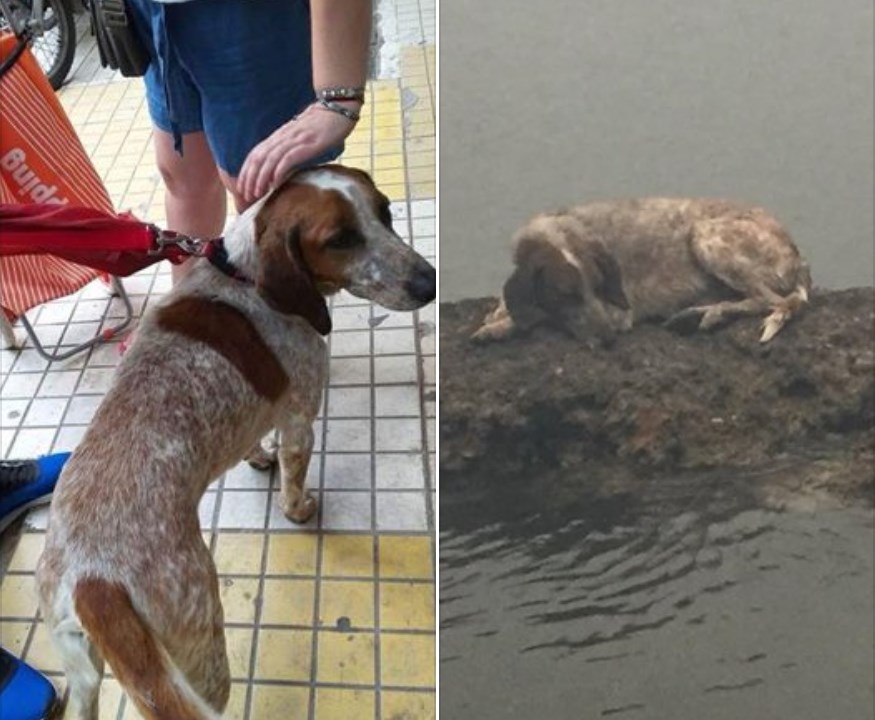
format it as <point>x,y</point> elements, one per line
<point>601,268</point>
<point>125,576</point>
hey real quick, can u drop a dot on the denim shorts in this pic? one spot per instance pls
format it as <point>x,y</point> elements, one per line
<point>235,70</point>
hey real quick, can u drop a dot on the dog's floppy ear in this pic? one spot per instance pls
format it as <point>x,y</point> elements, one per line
<point>521,296</point>
<point>606,275</point>
<point>542,285</point>
<point>284,281</point>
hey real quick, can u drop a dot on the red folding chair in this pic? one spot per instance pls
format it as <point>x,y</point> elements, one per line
<point>42,161</point>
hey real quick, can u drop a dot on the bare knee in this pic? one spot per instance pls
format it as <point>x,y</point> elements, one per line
<point>193,174</point>
<point>192,184</point>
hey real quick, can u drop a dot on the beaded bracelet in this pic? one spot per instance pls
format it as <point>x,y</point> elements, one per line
<point>341,93</point>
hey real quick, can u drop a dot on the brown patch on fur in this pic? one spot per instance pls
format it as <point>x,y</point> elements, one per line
<point>290,232</point>
<point>231,334</point>
<point>128,645</point>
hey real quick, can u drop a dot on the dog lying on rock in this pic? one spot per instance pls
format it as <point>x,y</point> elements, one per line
<point>599,269</point>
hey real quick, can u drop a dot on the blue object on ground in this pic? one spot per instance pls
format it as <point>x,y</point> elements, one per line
<point>25,694</point>
<point>27,483</point>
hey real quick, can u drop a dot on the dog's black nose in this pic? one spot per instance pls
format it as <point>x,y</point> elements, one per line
<point>422,286</point>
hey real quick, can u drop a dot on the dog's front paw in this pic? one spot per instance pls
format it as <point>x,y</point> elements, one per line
<point>685,322</point>
<point>491,331</point>
<point>483,334</point>
<point>300,510</point>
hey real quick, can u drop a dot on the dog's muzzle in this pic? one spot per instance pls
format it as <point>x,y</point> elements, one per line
<point>422,286</point>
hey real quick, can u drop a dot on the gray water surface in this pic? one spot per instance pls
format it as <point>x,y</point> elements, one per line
<point>683,602</point>
<point>545,104</point>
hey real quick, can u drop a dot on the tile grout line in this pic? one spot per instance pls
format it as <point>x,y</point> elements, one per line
<point>375,547</point>
<point>420,370</point>
<point>375,541</point>
<point>420,377</point>
<point>259,605</point>
<point>320,540</point>
<point>268,576</point>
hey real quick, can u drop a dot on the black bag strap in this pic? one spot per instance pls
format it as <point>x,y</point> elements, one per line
<point>12,58</point>
<point>118,43</point>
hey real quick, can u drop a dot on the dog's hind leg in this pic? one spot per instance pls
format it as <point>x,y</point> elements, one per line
<point>783,308</point>
<point>261,457</point>
<point>752,255</point>
<point>83,667</point>
<point>708,317</point>
<point>205,664</point>
<point>296,446</point>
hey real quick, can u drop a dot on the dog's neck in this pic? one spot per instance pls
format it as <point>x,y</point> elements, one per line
<point>239,245</point>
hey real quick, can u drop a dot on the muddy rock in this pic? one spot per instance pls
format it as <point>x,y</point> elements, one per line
<point>657,403</point>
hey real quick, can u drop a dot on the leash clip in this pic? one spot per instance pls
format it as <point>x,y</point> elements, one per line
<point>167,238</point>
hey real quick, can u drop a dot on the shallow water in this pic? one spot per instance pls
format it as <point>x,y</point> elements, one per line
<point>684,601</point>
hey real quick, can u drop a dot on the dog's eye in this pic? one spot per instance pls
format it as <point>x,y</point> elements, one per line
<point>345,240</point>
<point>385,215</point>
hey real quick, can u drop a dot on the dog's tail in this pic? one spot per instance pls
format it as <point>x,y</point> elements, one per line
<point>136,657</point>
<point>786,307</point>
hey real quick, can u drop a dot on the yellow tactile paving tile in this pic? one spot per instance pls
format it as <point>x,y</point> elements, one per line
<point>407,660</point>
<point>418,705</point>
<point>388,162</point>
<point>345,658</point>
<point>278,701</point>
<point>238,641</point>
<point>239,553</point>
<point>288,601</point>
<point>345,704</point>
<point>406,556</point>
<point>236,707</point>
<point>283,654</point>
<point>407,606</point>
<point>348,556</point>
<point>348,603</point>
<point>292,554</point>
<point>239,599</point>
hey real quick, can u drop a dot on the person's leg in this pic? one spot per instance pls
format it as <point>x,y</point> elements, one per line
<point>194,196</point>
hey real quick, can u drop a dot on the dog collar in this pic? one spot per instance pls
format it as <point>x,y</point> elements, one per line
<point>217,254</point>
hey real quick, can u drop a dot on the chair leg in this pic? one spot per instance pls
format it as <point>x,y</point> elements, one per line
<point>105,336</point>
<point>9,339</point>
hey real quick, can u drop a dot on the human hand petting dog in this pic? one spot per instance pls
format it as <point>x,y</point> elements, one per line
<point>294,144</point>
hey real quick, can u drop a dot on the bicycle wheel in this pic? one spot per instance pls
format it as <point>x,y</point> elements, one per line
<point>55,47</point>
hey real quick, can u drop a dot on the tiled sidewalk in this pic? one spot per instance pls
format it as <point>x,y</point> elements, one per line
<point>333,620</point>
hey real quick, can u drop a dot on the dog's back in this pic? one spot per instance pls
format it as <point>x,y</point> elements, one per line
<point>653,242</point>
